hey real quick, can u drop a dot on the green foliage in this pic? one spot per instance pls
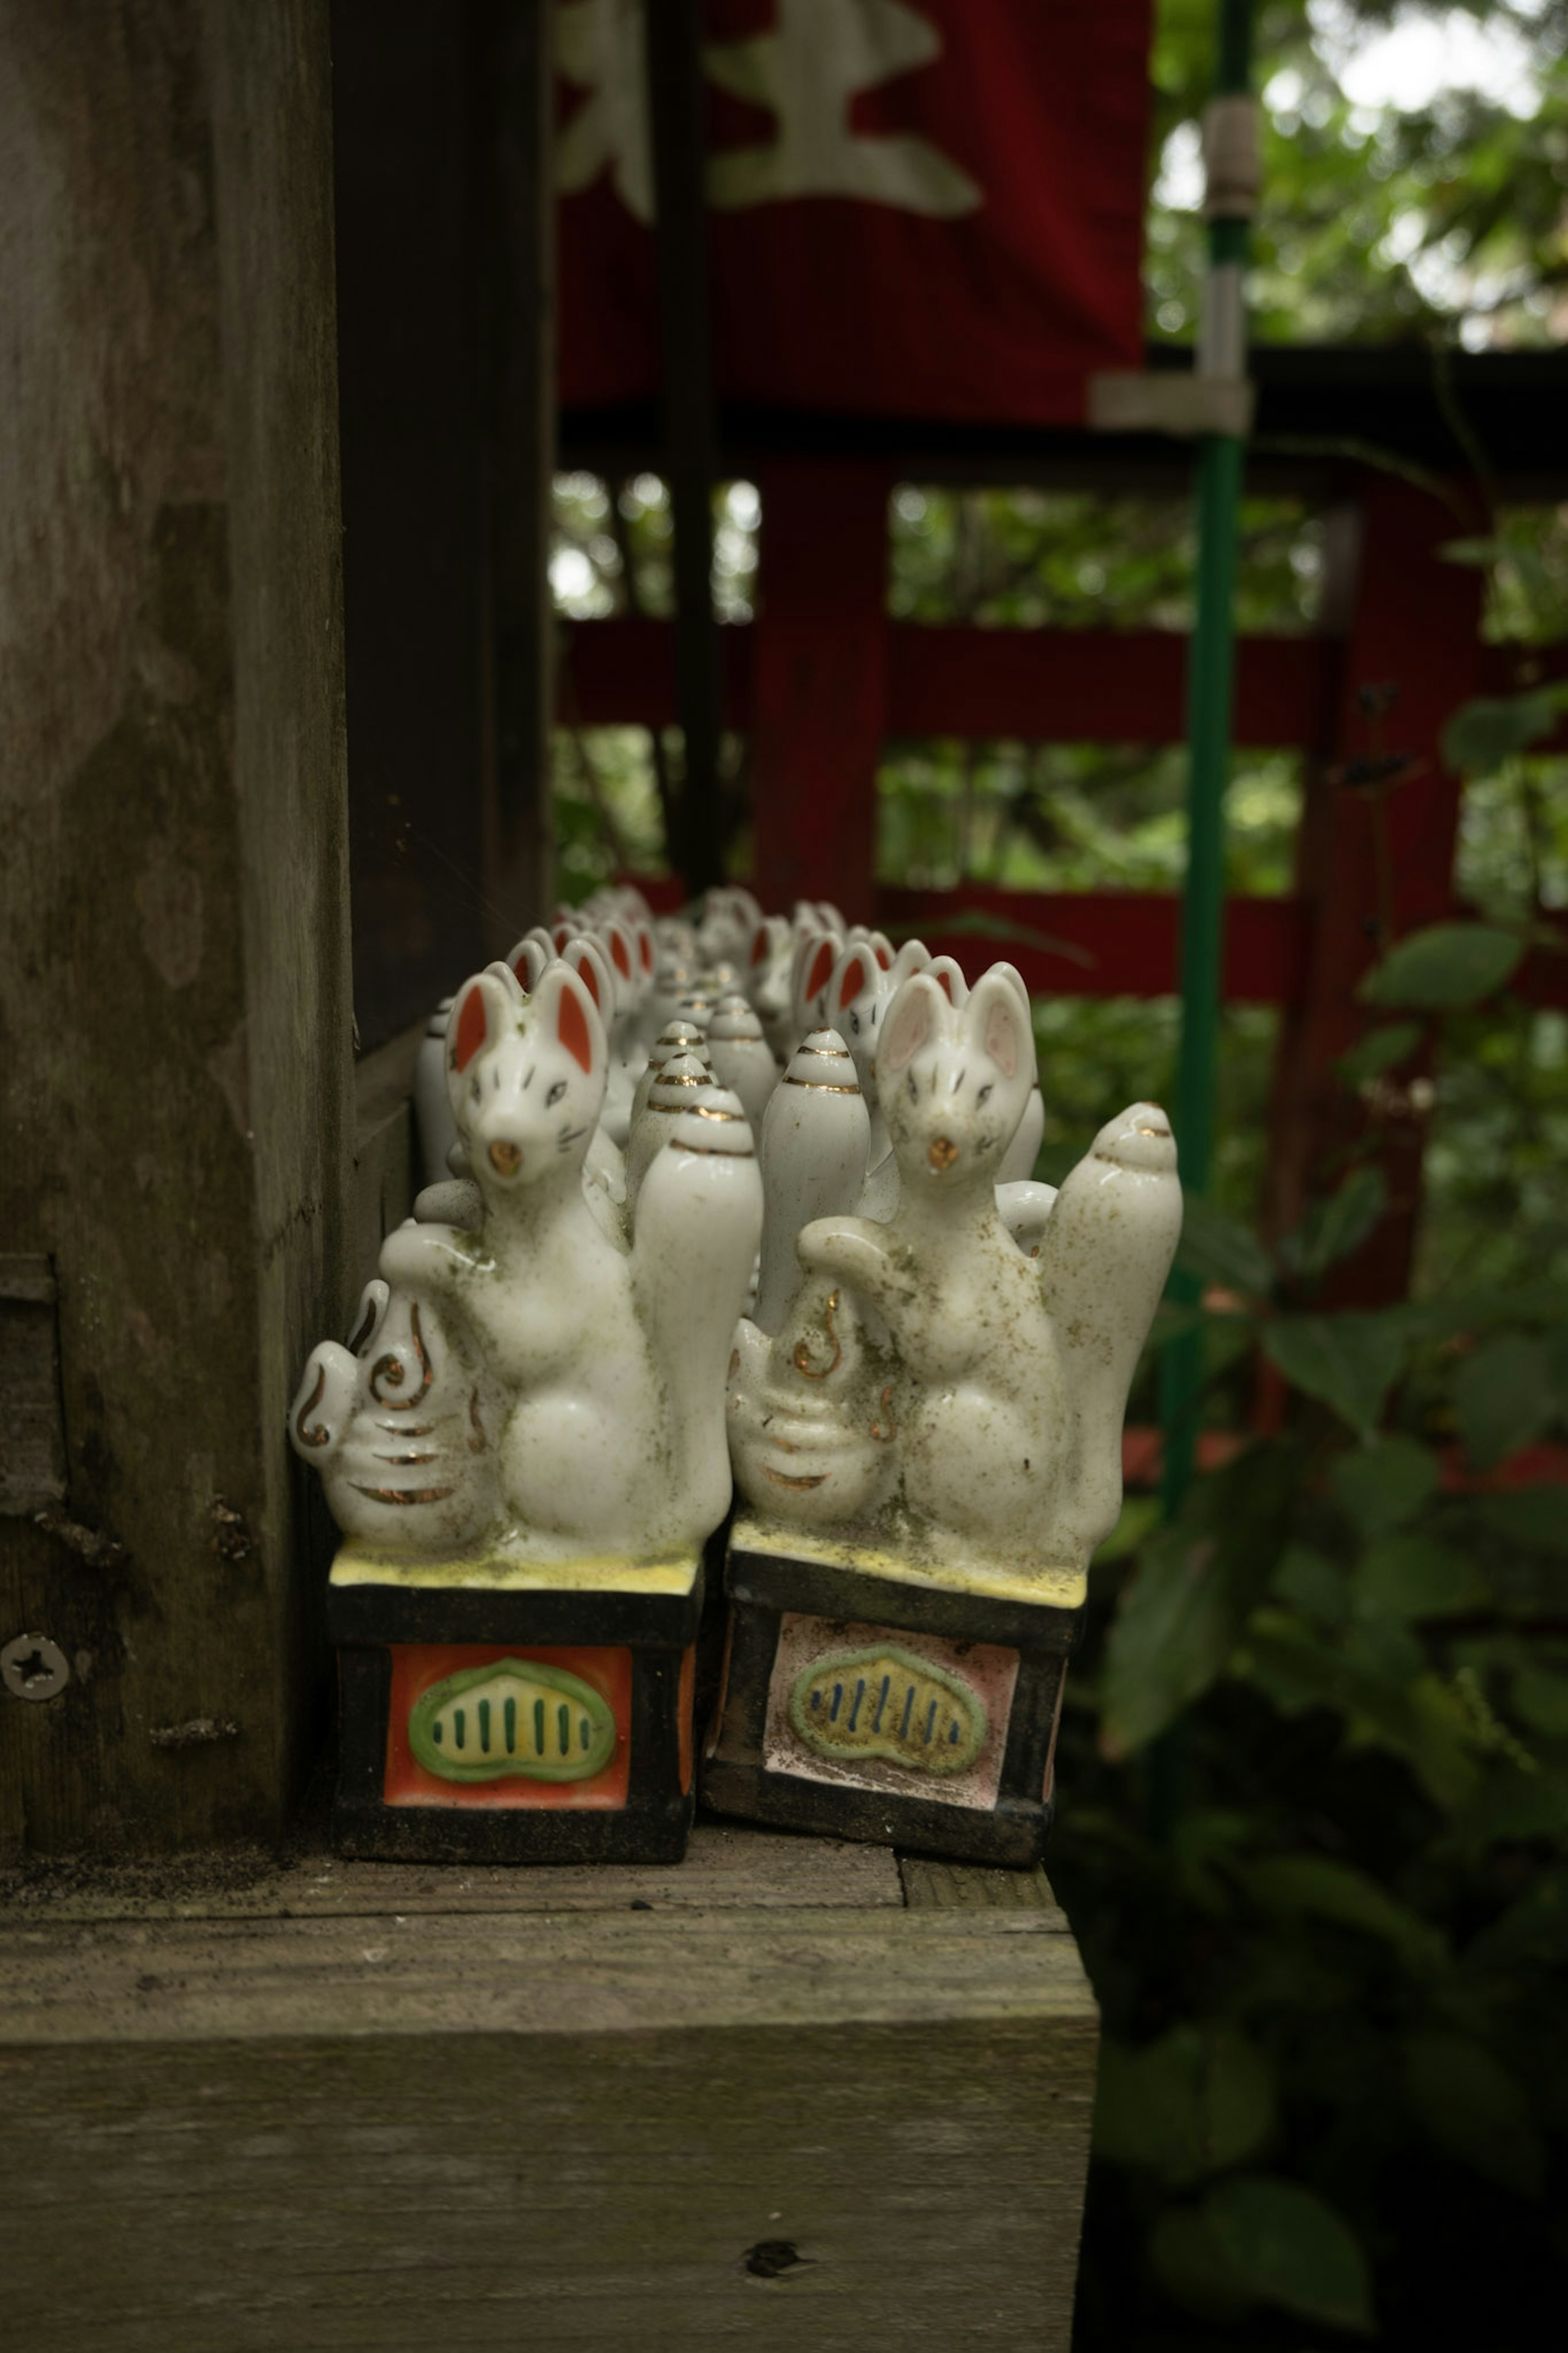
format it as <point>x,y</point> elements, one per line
<point>1376,222</point>
<point>1503,1396</point>
<point>1317,1846</point>
<point>1349,1361</point>
<point>1444,967</point>
<point>1483,734</point>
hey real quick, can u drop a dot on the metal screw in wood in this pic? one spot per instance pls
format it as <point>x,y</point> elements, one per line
<point>32,1667</point>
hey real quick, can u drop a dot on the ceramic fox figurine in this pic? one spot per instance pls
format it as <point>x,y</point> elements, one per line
<point>607,1418</point>
<point>1011,1372</point>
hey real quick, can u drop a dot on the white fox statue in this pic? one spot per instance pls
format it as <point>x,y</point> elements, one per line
<point>570,1380</point>
<point>987,1433</point>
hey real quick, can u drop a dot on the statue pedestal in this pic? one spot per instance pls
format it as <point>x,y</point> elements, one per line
<point>497,1711</point>
<point>867,1697</point>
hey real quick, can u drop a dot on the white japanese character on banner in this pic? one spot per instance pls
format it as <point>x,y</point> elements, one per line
<point>599,46</point>
<point>819,56</point>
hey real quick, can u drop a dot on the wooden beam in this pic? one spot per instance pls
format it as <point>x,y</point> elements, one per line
<point>1374,861</point>
<point>175,891</point>
<point>1102,943</point>
<point>412,416</point>
<point>760,2099</point>
<point>512,114</point>
<point>1323,412</point>
<point>1049,686</point>
<point>1089,686</point>
<point>677,107</point>
<point>819,702</point>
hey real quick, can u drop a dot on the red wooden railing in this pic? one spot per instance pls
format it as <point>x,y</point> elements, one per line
<point>823,678</point>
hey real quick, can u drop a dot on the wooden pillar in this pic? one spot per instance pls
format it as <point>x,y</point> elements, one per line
<point>1375,856</point>
<point>513,118</point>
<point>445,289</point>
<point>819,697</point>
<point>175,1160</point>
<point>676,116</point>
<point>412,409</point>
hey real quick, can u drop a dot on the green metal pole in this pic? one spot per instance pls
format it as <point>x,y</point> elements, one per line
<point>1210,676</point>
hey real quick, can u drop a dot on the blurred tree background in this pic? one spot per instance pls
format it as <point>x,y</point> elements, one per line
<point>1315,1836</point>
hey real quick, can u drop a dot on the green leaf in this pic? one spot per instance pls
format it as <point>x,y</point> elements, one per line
<point>1314,1585</point>
<point>1407,1577</point>
<point>1533,1516</point>
<point>1541,1699</point>
<point>1503,1397</point>
<point>1474,2108</point>
<point>1195,2269</point>
<point>1484,734</point>
<point>1379,1485</point>
<point>1139,1517</point>
<point>1334,1229</point>
<point>1379,1051</point>
<point>1196,2101</point>
<point>1292,2249</point>
<point>1347,1361</point>
<point>1327,1889</point>
<point>1383,1650</point>
<point>1531,1933</point>
<point>1169,1639</point>
<point>1222,1249</point>
<point>1478,552</point>
<point>1444,967</point>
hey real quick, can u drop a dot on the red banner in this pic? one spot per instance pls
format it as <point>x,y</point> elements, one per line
<point>925,209</point>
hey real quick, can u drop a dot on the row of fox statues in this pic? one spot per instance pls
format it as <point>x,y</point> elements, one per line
<point>736,1206</point>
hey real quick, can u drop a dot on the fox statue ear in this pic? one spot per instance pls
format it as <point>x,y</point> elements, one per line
<point>948,973</point>
<point>818,968</point>
<point>997,1019</point>
<point>568,1015</point>
<point>587,960</point>
<point>912,1020</point>
<point>479,1013</point>
<point>856,973</point>
<point>618,947</point>
<point>528,960</point>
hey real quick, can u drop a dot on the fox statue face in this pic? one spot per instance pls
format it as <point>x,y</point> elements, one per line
<point>526,1078</point>
<point>952,1081</point>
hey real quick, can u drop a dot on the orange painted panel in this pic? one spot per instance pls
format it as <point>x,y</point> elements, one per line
<point>415,1666</point>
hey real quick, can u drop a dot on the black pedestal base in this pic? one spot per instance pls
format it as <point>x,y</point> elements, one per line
<point>514,1723</point>
<point>862,1705</point>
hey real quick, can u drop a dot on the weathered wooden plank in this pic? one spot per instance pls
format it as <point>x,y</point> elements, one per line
<point>174,909</point>
<point>727,1868</point>
<point>797,2182</point>
<point>575,2108</point>
<point>933,1885</point>
<point>32,1455</point>
<point>163,1982</point>
<point>580,2129</point>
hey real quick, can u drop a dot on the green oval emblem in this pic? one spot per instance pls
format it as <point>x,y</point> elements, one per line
<point>886,1702</point>
<point>515,1717</point>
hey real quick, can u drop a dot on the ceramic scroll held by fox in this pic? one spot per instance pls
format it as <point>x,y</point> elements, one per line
<point>552,1389</point>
